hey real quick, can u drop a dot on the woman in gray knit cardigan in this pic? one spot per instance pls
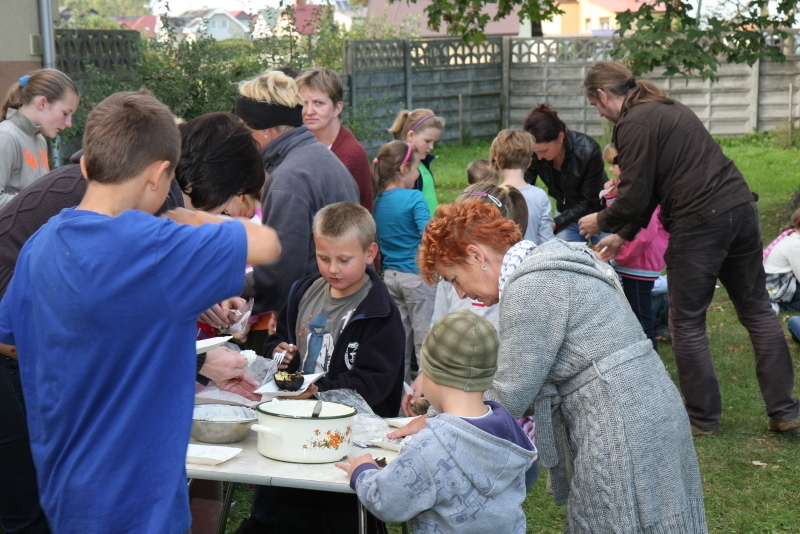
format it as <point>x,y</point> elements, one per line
<point>572,351</point>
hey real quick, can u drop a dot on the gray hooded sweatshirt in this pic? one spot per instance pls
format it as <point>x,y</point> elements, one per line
<point>451,477</point>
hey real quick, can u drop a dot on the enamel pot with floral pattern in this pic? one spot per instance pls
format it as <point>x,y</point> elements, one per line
<point>287,431</point>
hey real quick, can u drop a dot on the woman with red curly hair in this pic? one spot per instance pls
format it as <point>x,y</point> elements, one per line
<point>572,351</point>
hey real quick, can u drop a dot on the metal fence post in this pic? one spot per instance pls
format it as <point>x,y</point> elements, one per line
<point>505,96</point>
<point>409,83</point>
<point>755,83</point>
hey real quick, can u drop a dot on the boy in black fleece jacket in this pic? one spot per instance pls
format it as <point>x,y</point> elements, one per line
<point>344,322</point>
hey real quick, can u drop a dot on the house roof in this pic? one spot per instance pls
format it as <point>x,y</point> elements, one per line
<point>145,24</point>
<point>243,16</point>
<point>398,12</point>
<point>192,19</point>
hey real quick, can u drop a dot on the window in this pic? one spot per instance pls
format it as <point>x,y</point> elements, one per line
<point>588,27</point>
<point>604,23</point>
<point>223,24</point>
<point>212,24</point>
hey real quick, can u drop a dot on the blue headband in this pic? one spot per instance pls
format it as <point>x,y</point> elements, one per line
<point>24,80</point>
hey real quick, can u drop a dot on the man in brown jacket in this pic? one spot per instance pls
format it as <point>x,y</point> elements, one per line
<point>667,157</point>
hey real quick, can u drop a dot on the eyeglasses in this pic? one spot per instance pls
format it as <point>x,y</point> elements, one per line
<point>494,200</point>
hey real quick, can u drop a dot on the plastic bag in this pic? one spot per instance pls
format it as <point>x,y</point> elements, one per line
<point>367,426</point>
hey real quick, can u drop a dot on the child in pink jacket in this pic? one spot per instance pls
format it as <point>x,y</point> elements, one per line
<point>640,261</point>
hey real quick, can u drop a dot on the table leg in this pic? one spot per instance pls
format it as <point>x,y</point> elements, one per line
<point>226,508</point>
<point>362,519</point>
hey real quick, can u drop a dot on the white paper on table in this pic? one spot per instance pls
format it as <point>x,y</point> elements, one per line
<point>271,388</point>
<point>205,345</point>
<point>385,444</point>
<point>210,454</point>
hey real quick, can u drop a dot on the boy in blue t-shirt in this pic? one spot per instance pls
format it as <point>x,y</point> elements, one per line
<point>102,309</point>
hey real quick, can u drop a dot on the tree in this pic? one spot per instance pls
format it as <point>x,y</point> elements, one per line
<point>467,18</point>
<point>662,33</point>
<point>682,39</point>
<point>110,8</point>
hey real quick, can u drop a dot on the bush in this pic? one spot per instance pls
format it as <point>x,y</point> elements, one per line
<point>193,78</point>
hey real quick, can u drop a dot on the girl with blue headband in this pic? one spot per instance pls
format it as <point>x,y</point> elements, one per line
<point>38,104</point>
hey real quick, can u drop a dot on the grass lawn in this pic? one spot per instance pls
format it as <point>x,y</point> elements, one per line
<point>740,496</point>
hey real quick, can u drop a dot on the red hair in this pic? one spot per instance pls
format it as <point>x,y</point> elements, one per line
<point>455,226</point>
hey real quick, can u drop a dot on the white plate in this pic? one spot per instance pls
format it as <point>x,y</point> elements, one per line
<point>210,454</point>
<point>206,345</point>
<point>271,388</point>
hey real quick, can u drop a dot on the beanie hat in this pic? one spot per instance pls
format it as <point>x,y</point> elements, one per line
<point>460,351</point>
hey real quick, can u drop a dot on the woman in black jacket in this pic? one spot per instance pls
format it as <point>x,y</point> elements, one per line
<point>571,166</point>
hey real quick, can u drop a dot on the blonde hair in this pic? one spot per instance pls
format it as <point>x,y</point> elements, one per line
<point>49,83</point>
<point>408,120</point>
<point>273,87</point>
<point>512,149</point>
<point>609,153</point>
<point>618,80</point>
<point>480,170</point>
<point>325,81</point>
<point>343,220</point>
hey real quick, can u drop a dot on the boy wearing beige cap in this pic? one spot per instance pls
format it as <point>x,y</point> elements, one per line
<point>464,472</point>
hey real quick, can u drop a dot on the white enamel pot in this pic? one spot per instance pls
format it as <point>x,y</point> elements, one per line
<point>287,431</point>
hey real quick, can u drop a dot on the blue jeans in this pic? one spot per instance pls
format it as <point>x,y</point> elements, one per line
<point>19,494</point>
<point>794,304</point>
<point>531,476</point>
<point>640,296</point>
<point>571,234</point>
<point>794,328</point>
<point>728,248</point>
<point>660,309</point>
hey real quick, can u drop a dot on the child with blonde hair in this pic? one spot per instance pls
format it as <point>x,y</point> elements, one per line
<point>480,170</point>
<point>511,154</point>
<point>421,128</point>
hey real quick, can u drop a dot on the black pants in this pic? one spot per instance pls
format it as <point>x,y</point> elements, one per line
<point>640,296</point>
<point>19,493</point>
<point>727,247</point>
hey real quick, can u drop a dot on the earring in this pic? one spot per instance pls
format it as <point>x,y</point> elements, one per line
<point>483,267</point>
